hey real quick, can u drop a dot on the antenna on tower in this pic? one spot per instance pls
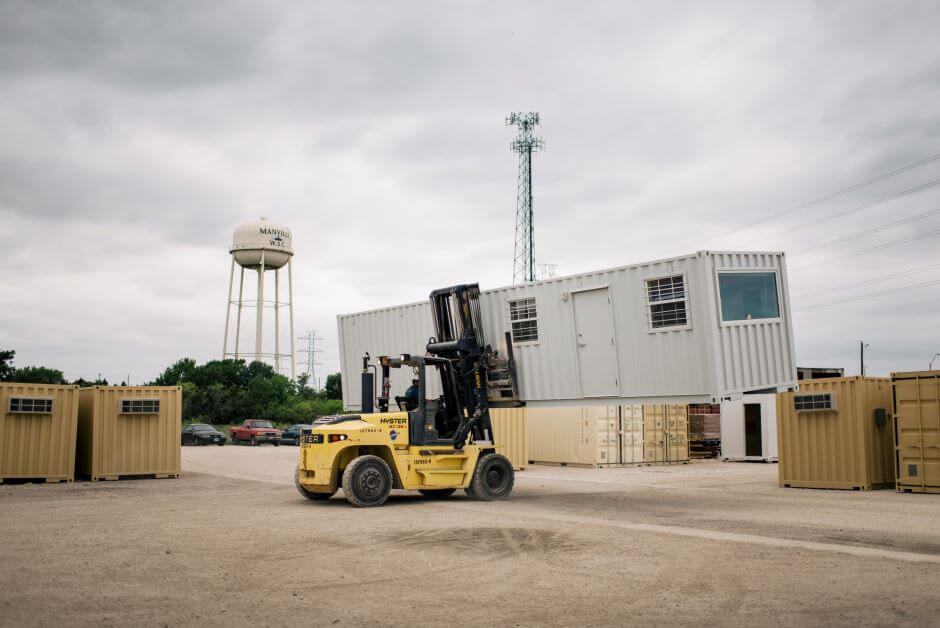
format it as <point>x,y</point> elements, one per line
<point>311,362</point>
<point>523,263</point>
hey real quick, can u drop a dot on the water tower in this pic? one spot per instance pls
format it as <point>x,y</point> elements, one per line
<point>261,246</point>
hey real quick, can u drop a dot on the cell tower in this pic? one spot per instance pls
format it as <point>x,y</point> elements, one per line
<point>523,263</point>
<point>311,350</point>
<point>261,246</point>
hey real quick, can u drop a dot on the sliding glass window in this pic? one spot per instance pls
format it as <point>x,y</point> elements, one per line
<point>748,296</point>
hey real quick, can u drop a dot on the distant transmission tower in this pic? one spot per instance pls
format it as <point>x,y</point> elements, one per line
<point>311,364</point>
<point>523,263</point>
<point>546,271</point>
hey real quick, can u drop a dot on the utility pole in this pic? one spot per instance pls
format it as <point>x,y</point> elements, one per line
<point>523,263</point>
<point>861,351</point>
<point>930,366</point>
<point>311,362</point>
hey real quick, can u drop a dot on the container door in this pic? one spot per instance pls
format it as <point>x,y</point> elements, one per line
<point>597,354</point>
<point>752,430</point>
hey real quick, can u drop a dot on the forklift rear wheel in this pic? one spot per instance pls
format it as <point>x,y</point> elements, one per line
<point>315,497</point>
<point>437,493</point>
<point>367,481</point>
<point>492,479</point>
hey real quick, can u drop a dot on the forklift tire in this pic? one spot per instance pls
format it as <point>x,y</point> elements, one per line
<point>314,497</point>
<point>367,481</point>
<point>437,493</point>
<point>492,479</point>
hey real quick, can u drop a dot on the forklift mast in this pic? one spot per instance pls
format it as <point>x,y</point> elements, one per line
<point>473,376</point>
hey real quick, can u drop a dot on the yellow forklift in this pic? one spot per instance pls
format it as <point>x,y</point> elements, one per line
<point>434,446</point>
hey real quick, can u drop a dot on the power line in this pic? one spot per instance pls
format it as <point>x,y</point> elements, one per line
<point>816,201</point>
<point>868,296</point>
<point>879,247</point>
<point>856,284</point>
<point>852,210</point>
<point>866,232</point>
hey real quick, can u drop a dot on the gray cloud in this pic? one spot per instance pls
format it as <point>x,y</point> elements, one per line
<point>137,135</point>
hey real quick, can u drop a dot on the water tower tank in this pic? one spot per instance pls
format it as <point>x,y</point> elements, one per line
<point>251,239</point>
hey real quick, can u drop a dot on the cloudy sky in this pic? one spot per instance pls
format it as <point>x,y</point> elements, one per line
<point>136,135</point>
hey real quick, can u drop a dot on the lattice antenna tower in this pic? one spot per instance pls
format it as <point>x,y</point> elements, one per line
<point>310,348</point>
<point>526,143</point>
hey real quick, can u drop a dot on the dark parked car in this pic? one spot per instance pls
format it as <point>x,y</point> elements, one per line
<point>202,434</point>
<point>291,435</point>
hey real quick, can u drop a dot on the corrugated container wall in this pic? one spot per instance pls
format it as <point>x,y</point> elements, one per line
<point>129,430</point>
<point>836,433</point>
<point>511,433</point>
<point>681,330</point>
<point>37,431</point>
<point>917,431</point>
<point>749,428</point>
<point>607,435</point>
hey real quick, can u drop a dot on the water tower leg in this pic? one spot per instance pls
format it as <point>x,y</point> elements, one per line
<point>259,325</point>
<point>277,324</point>
<point>290,297</point>
<point>228,307</point>
<point>238,319</point>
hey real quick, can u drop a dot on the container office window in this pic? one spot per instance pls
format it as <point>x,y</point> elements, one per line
<point>666,300</point>
<point>820,402</point>
<point>523,320</point>
<point>140,406</point>
<point>748,296</point>
<point>30,405</point>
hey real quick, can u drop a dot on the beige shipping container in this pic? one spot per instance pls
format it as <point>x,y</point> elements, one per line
<point>129,430</point>
<point>665,433</point>
<point>37,431</point>
<point>511,432</point>
<point>586,435</point>
<point>917,431</point>
<point>835,433</point>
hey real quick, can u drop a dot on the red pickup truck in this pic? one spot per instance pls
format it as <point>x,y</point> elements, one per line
<point>256,432</point>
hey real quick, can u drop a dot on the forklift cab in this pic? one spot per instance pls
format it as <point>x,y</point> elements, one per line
<point>433,421</point>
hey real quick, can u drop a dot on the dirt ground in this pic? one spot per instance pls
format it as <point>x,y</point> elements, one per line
<point>232,543</point>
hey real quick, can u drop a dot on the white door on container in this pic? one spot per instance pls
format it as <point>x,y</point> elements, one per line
<point>594,333</point>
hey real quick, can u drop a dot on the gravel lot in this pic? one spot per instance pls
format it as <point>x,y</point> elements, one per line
<point>231,542</point>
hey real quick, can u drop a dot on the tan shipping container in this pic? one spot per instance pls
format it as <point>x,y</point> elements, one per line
<point>511,432</point>
<point>586,435</point>
<point>665,433</point>
<point>834,433</point>
<point>129,430</point>
<point>917,431</point>
<point>37,431</point>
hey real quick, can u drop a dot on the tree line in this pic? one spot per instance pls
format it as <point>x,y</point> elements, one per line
<point>219,391</point>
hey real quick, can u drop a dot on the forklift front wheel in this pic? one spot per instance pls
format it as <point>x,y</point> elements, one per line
<point>492,479</point>
<point>367,481</point>
<point>437,493</point>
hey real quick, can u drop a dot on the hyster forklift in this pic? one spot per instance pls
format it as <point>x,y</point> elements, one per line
<point>436,447</point>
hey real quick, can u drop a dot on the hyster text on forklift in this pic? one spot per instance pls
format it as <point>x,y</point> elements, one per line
<point>438,446</point>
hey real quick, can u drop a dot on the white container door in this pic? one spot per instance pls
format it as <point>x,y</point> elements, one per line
<point>597,354</point>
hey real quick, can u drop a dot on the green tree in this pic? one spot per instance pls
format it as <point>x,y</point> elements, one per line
<point>334,386</point>
<point>6,364</point>
<point>39,375</point>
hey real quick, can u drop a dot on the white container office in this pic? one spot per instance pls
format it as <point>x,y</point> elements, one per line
<point>749,428</point>
<point>691,329</point>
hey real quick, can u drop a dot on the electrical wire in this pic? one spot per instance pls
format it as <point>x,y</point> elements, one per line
<point>816,201</point>
<point>849,286</point>
<point>862,234</point>
<point>868,296</point>
<point>852,210</point>
<point>879,247</point>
